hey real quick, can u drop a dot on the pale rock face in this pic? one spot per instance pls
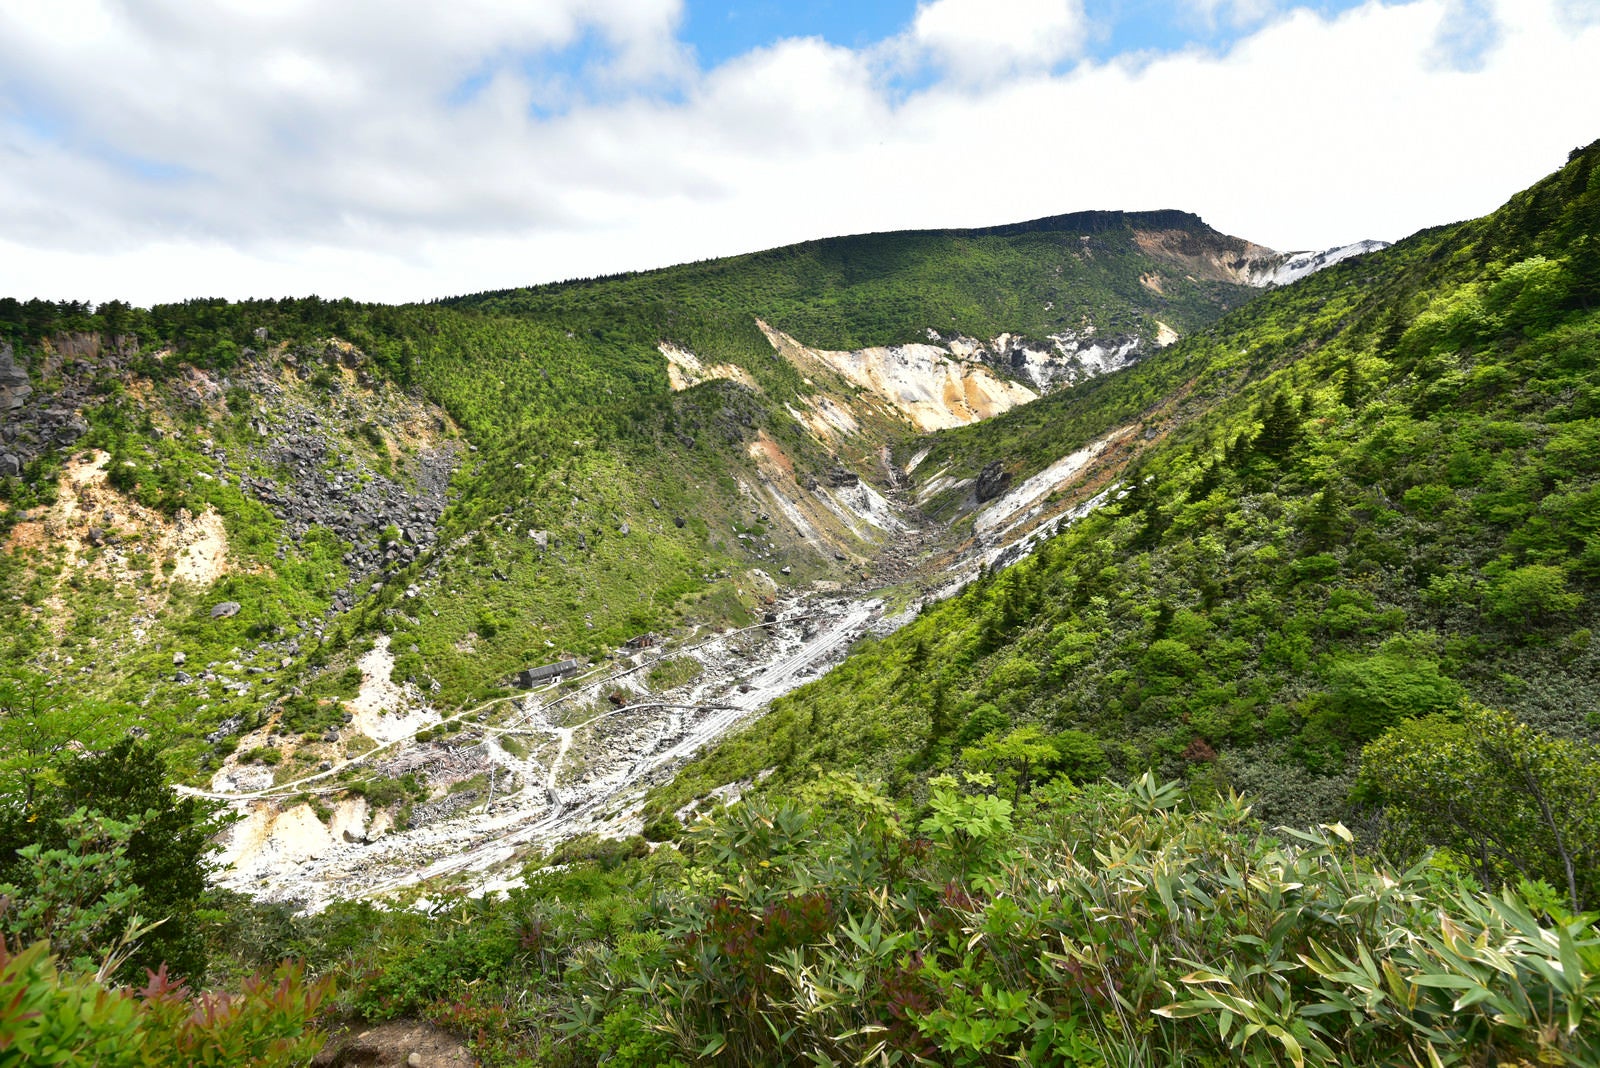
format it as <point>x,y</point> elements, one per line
<point>930,386</point>
<point>384,710</point>
<point>1293,266</point>
<point>685,369</point>
<point>1071,356</point>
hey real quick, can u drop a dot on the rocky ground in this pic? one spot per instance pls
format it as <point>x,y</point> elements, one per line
<point>32,422</point>
<point>525,772</point>
<point>547,765</point>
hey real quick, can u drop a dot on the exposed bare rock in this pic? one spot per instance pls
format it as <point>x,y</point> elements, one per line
<point>925,384</point>
<point>396,1044</point>
<point>992,481</point>
<point>14,386</point>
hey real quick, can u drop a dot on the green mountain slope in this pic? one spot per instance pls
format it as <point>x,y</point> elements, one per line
<point>489,483</point>
<point>1114,271</point>
<point>1349,507</point>
<point>1368,495</point>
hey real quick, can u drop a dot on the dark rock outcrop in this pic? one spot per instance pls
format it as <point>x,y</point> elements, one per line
<point>993,480</point>
<point>14,385</point>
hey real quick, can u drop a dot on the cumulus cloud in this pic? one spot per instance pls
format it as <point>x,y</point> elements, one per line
<point>406,150</point>
<point>987,39</point>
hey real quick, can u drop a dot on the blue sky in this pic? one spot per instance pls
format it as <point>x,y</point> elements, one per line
<point>408,149</point>
<point>722,29</point>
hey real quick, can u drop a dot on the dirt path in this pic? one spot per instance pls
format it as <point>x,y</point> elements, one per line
<point>499,838</point>
<point>593,776</point>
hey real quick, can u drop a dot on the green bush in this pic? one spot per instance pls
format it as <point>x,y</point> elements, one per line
<point>1371,694</point>
<point>986,719</point>
<point>51,1016</point>
<point>1530,594</point>
<point>1081,929</point>
<point>307,715</point>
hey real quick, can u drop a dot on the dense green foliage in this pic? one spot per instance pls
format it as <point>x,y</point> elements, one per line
<point>1376,495</point>
<point>1082,926</point>
<point>93,840</point>
<point>68,1017</point>
<point>1511,803</point>
<point>1062,274</point>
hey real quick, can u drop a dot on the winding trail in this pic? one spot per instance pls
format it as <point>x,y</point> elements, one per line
<point>500,840</point>
<point>598,771</point>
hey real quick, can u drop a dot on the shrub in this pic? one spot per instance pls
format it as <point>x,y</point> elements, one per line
<point>1532,593</point>
<point>986,719</point>
<point>51,1016</point>
<point>307,715</point>
<point>1370,694</point>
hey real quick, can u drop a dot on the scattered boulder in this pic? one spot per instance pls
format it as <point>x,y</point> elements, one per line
<point>14,385</point>
<point>840,477</point>
<point>396,1044</point>
<point>993,480</point>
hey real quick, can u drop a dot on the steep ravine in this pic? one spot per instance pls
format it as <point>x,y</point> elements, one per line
<point>532,769</point>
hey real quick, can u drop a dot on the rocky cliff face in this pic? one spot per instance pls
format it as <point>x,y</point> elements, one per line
<point>1063,359</point>
<point>32,421</point>
<point>927,385</point>
<point>1285,267</point>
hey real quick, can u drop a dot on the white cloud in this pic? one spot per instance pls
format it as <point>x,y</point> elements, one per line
<point>1235,13</point>
<point>977,40</point>
<point>1466,34</point>
<point>396,152</point>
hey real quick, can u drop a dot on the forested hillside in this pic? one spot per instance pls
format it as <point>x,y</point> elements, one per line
<point>518,443</point>
<point>1283,752</point>
<point>1375,496</point>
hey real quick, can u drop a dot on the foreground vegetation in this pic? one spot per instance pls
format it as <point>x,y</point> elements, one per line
<point>1080,925</point>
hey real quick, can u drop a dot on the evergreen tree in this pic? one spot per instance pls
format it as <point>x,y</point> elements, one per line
<point>1280,429</point>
